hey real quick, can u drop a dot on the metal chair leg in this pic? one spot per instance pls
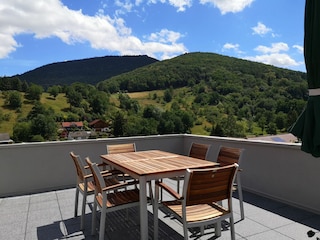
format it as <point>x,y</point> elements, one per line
<point>76,203</point>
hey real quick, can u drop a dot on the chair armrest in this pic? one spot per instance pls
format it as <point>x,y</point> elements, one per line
<point>98,164</point>
<point>111,173</point>
<point>120,185</point>
<point>172,192</point>
<point>105,174</point>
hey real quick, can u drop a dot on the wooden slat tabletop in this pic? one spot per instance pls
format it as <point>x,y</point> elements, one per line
<point>154,162</point>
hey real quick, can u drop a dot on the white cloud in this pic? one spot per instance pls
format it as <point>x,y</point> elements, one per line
<point>299,48</point>
<point>261,29</point>
<point>50,18</point>
<point>125,6</point>
<point>275,55</point>
<point>275,48</point>
<point>8,45</point>
<point>276,59</point>
<point>231,46</point>
<point>165,36</point>
<point>226,6</point>
<point>169,38</point>
<point>181,4</point>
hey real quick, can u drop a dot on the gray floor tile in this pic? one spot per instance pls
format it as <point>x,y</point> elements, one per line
<point>295,231</point>
<point>270,219</point>
<point>50,216</point>
<point>249,227</point>
<point>268,236</point>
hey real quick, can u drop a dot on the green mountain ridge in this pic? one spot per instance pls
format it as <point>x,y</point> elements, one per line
<point>90,70</point>
<point>192,68</point>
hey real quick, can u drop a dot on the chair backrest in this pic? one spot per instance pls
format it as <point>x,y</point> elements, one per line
<point>205,186</point>
<point>199,151</point>
<point>121,148</point>
<point>99,183</point>
<point>79,166</point>
<point>229,155</point>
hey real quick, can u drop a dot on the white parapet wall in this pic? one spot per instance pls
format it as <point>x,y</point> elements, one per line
<point>277,170</point>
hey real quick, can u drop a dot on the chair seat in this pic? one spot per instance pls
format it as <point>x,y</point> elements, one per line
<point>90,187</point>
<point>120,198</point>
<point>199,212</point>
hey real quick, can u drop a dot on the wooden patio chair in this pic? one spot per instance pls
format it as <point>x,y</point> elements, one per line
<point>203,190</point>
<point>228,156</point>
<point>197,150</point>
<point>110,198</point>
<point>84,184</point>
<point>121,148</point>
<point>124,148</point>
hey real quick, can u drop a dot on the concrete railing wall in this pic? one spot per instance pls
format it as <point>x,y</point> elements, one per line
<point>276,170</point>
<point>35,167</point>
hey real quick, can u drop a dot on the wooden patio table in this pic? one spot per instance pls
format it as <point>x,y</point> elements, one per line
<point>152,165</point>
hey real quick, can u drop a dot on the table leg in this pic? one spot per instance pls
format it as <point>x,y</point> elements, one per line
<point>143,209</point>
<point>155,212</point>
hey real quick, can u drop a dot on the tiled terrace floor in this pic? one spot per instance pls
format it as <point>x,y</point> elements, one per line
<point>48,216</point>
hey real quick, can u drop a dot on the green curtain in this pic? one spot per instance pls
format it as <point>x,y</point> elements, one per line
<point>307,127</point>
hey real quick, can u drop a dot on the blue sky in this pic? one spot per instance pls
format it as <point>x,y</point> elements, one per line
<point>35,33</point>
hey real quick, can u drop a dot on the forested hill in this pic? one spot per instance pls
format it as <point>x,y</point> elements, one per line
<point>222,72</point>
<point>91,70</point>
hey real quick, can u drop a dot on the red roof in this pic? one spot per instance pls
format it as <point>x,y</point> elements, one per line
<point>72,124</point>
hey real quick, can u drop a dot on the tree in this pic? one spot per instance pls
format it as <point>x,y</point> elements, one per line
<point>74,98</point>
<point>167,95</point>
<point>217,131</point>
<point>45,126</point>
<point>118,124</point>
<point>271,128</point>
<point>42,121</point>
<point>280,120</point>
<point>99,102</point>
<point>128,104</point>
<point>262,123</point>
<point>150,111</point>
<point>170,123</point>
<point>34,92</point>
<point>231,128</point>
<point>14,99</point>
<point>149,127</point>
<point>10,83</point>
<point>38,108</point>
<point>22,132</point>
<point>291,118</point>
<point>187,120</point>
<point>83,89</point>
<point>166,126</point>
<point>53,91</point>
